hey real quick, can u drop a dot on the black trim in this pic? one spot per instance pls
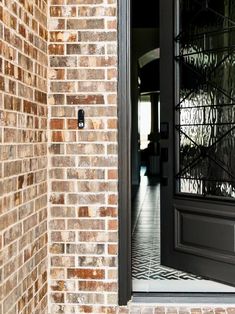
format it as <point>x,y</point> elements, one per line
<point>124,153</point>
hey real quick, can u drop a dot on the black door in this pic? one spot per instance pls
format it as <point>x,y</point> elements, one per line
<point>197,77</point>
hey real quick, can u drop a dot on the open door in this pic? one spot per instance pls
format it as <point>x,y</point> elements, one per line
<point>197,88</point>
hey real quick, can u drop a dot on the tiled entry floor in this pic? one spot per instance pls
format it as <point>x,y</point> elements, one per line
<point>146,236</point>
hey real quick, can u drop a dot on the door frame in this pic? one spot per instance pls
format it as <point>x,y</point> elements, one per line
<point>124,181</point>
<point>124,153</point>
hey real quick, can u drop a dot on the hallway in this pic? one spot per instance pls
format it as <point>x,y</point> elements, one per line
<point>146,235</point>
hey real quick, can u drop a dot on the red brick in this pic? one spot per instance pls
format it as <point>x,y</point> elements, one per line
<point>57,124</point>
<point>113,224</point>
<point>112,249</point>
<point>112,174</point>
<point>56,49</point>
<point>86,273</point>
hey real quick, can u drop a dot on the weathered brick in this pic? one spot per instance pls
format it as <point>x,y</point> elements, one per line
<point>57,297</point>
<point>57,273</point>
<point>86,74</point>
<point>88,149</point>
<point>112,249</point>
<point>81,273</point>
<point>85,261</point>
<point>61,261</point>
<point>88,174</point>
<point>57,74</point>
<point>56,49</point>
<point>63,186</point>
<point>60,61</point>
<point>97,61</point>
<point>68,87</point>
<point>63,11</point>
<point>90,248</point>
<point>112,24</point>
<point>74,199</point>
<point>85,99</point>
<point>113,224</point>
<point>62,36</point>
<point>98,86</point>
<point>57,248</point>
<point>63,285</point>
<point>59,211</point>
<point>96,11</point>
<point>86,49</point>
<point>12,234</point>
<point>99,161</point>
<point>107,212</point>
<point>85,24</point>
<point>85,298</point>
<point>63,236</point>
<point>86,224</point>
<point>8,219</point>
<point>112,174</point>
<point>97,36</point>
<point>94,236</point>
<point>57,224</point>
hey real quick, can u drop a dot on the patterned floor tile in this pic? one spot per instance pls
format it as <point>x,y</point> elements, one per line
<point>146,239</point>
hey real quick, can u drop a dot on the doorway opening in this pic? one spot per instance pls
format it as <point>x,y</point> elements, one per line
<point>148,273</point>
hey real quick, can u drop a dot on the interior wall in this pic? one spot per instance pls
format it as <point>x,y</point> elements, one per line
<point>143,40</point>
<point>23,156</point>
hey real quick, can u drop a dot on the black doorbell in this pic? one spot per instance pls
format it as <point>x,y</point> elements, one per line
<point>81,118</point>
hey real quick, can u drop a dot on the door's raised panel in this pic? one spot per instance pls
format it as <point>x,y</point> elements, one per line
<point>207,235</point>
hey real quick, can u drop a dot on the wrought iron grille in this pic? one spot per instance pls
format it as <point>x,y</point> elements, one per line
<point>205,105</point>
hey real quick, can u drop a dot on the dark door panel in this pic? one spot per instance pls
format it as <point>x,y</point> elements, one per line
<point>208,233</point>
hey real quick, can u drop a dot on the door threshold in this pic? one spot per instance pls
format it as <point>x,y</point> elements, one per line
<point>184,286</point>
<point>178,299</point>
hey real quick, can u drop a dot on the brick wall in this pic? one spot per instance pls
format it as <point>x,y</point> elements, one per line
<point>83,163</point>
<point>77,168</point>
<point>23,156</point>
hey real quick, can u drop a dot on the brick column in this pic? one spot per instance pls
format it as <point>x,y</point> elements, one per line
<point>83,163</point>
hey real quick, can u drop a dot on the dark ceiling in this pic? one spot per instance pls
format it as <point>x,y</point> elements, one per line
<point>145,14</point>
